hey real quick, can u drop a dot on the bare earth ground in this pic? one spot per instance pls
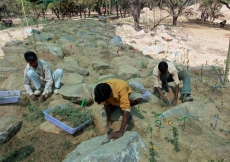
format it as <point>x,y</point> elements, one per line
<point>197,143</point>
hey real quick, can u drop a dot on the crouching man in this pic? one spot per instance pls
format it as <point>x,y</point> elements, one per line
<point>166,72</point>
<point>116,92</point>
<point>40,73</point>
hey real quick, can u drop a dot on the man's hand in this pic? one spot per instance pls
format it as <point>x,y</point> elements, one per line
<point>174,102</point>
<point>165,99</point>
<point>108,125</point>
<point>116,135</point>
<point>42,98</point>
<point>33,97</point>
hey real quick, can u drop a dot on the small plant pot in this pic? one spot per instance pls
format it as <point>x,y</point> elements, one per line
<point>10,96</point>
<point>62,125</point>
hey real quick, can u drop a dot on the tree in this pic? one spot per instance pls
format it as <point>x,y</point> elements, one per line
<point>135,8</point>
<point>175,8</point>
<point>213,6</point>
<point>226,3</point>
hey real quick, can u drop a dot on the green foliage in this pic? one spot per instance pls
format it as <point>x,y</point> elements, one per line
<point>18,155</point>
<point>185,117</point>
<point>67,144</point>
<point>152,152</point>
<point>159,122</point>
<point>35,113</point>
<point>175,139</point>
<point>72,116</point>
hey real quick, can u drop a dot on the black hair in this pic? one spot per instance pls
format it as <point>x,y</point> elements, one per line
<point>163,66</point>
<point>102,92</point>
<point>30,56</point>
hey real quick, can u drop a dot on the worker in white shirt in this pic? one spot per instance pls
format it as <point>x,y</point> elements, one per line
<point>40,73</point>
<point>166,72</point>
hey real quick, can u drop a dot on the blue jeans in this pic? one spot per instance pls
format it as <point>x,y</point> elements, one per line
<point>183,75</point>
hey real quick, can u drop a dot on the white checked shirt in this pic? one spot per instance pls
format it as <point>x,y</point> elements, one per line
<point>44,71</point>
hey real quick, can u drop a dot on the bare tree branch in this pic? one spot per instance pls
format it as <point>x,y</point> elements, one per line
<point>226,4</point>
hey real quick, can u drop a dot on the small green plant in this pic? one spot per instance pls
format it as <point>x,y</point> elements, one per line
<point>152,150</point>
<point>183,119</point>
<point>143,65</point>
<point>71,116</point>
<point>67,144</point>
<point>18,155</point>
<point>175,139</point>
<point>201,72</point>
<point>35,112</point>
<point>158,122</point>
<point>144,111</point>
<point>218,160</point>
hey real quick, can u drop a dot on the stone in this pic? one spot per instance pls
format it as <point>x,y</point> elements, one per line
<point>166,37</point>
<point>161,27</point>
<point>59,102</point>
<point>132,41</point>
<point>48,52</point>
<point>152,33</point>
<point>49,127</point>
<point>102,18</point>
<point>119,61</point>
<point>77,93</point>
<point>153,50</point>
<point>76,69</point>
<point>8,128</point>
<point>69,48</point>
<point>157,38</point>
<point>44,37</point>
<point>68,38</point>
<point>8,69</point>
<point>13,43</point>
<point>103,78</point>
<point>14,81</point>
<point>185,109</point>
<point>128,28</point>
<point>117,39</point>
<point>99,65</point>
<point>14,50</point>
<point>126,72</point>
<point>125,149</point>
<point>30,31</point>
<point>139,35</point>
<point>72,78</point>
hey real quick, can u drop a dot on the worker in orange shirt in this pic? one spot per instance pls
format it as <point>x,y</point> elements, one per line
<point>117,92</point>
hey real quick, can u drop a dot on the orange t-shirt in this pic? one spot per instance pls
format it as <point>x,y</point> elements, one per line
<point>120,93</point>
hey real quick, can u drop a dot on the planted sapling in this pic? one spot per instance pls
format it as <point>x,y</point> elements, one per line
<point>175,139</point>
<point>183,119</point>
<point>152,150</point>
<point>158,122</point>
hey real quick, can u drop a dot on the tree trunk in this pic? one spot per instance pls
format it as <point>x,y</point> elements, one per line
<point>117,8</point>
<point>174,20</point>
<point>227,65</point>
<point>135,8</point>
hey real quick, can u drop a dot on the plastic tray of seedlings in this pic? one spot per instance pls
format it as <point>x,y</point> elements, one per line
<point>61,116</point>
<point>10,96</point>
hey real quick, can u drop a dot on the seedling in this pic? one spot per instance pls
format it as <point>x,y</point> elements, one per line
<point>83,103</point>
<point>169,123</point>
<point>152,150</point>
<point>118,50</point>
<point>71,116</point>
<point>183,119</point>
<point>201,72</point>
<point>143,65</point>
<point>216,120</point>
<point>175,139</point>
<point>133,51</point>
<point>158,122</point>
